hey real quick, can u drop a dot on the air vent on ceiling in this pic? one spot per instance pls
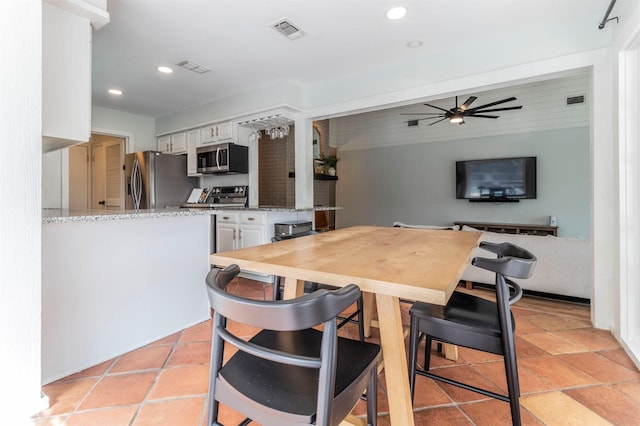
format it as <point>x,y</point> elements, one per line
<point>575,100</point>
<point>192,66</point>
<point>288,29</point>
<point>412,123</point>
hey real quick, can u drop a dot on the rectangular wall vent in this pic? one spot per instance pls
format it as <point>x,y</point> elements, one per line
<point>288,29</point>
<point>575,100</point>
<point>192,66</point>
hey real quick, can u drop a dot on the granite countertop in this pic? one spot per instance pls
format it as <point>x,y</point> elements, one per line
<point>70,216</point>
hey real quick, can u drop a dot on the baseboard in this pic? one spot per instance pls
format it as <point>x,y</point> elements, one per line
<point>538,294</point>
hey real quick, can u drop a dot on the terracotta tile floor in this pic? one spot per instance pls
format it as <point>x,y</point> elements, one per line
<point>569,373</point>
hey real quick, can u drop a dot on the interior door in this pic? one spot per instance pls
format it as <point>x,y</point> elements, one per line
<point>114,175</point>
<point>98,177</point>
<point>79,177</point>
<point>107,174</point>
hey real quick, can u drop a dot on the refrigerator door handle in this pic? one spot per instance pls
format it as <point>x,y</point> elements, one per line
<point>136,184</point>
<point>218,158</point>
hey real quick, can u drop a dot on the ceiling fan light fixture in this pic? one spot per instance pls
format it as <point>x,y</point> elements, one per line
<point>456,119</point>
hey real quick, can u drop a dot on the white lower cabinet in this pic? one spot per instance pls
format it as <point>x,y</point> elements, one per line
<point>242,229</point>
<point>227,232</point>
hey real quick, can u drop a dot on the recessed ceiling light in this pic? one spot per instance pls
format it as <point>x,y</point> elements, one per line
<point>414,43</point>
<point>115,91</point>
<point>165,70</point>
<point>396,12</point>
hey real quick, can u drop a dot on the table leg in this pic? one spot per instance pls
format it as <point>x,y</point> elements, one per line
<point>368,300</point>
<point>395,360</point>
<point>293,288</point>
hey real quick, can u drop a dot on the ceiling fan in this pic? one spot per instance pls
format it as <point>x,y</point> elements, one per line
<point>457,114</point>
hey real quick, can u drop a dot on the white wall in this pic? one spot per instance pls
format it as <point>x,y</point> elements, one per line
<point>267,98</point>
<point>20,217</point>
<point>416,183</point>
<point>627,76</point>
<point>390,171</point>
<point>141,129</point>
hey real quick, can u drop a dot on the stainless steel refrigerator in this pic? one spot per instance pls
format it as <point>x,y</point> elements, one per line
<point>154,180</point>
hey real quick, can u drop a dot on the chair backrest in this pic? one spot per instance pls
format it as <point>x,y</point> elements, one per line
<point>282,315</point>
<point>512,261</point>
<point>319,307</point>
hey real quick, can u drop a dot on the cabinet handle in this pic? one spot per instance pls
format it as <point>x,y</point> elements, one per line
<point>240,234</point>
<point>234,234</point>
<point>226,217</point>
<point>251,218</point>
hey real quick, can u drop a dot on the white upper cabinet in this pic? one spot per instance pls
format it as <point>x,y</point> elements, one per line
<point>219,132</point>
<point>179,143</point>
<point>164,144</point>
<point>193,142</point>
<point>173,144</point>
<point>66,71</point>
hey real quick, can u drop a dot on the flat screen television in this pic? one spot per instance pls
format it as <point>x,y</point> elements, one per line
<point>498,179</point>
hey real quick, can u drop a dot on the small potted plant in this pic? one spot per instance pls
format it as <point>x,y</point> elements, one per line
<point>330,163</point>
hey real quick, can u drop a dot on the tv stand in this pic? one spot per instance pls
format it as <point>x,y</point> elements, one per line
<point>512,228</point>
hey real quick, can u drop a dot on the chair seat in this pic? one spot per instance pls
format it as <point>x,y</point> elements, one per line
<point>292,389</point>
<point>463,317</point>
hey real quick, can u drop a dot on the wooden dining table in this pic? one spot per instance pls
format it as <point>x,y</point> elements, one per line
<point>391,263</point>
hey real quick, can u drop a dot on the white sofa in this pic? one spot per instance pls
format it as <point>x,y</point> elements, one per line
<point>564,265</point>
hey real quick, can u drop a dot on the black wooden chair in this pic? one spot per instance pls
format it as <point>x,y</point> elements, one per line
<point>476,323</point>
<point>288,373</point>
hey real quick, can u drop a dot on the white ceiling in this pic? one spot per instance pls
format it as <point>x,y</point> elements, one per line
<point>235,40</point>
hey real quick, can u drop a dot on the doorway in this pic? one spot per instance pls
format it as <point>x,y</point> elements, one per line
<point>96,174</point>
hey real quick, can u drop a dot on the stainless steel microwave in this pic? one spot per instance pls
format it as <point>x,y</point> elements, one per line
<point>223,158</point>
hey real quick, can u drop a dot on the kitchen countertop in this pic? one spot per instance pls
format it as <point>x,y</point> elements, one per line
<point>70,216</point>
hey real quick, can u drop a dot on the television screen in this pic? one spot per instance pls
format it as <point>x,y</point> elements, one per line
<point>496,179</point>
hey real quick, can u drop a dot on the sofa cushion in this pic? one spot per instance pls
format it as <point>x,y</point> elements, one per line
<point>564,264</point>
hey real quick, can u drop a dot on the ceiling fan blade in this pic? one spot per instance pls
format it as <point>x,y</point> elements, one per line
<point>468,102</point>
<point>500,109</point>
<point>426,118</point>
<point>492,104</point>
<point>437,107</point>
<point>438,121</point>
<point>421,113</point>
<point>483,116</point>
<point>431,118</point>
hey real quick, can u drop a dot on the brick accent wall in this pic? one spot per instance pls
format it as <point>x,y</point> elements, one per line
<point>276,160</point>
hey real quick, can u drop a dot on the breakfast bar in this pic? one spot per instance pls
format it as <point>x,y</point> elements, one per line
<point>392,263</point>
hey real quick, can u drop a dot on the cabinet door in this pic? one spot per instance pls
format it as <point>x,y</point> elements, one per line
<point>251,235</point>
<point>209,134</point>
<point>66,75</point>
<point>225,131</point>
<point>193,142</point>
<point>226,237</point>
<point>164,144</point>
<point>179,143</point>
